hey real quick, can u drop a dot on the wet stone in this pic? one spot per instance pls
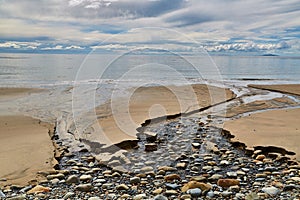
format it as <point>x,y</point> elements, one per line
<point>135,180</point>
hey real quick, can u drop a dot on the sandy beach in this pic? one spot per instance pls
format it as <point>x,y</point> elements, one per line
<point>25,144</point>
<point>278,128</point>
<point>26,147</point>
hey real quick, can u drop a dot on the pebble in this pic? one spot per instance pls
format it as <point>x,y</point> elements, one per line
<point>239,196</point>
<point>139,196</point>
<point>59,176</point>
<point>196,192</point>
<point>194,184</point>
<point>260,157</point>
<point>171,192</point>
<point>215,177</point>
<point>167,168</point>
<point>296,179</point>
<point>181,165</point>
<point>120,169</point>
<point>38,189</point>
<point>69,195</point>
<point>158,191</point>
<point>72,179</point>
<point>186,196</point>
<point>2,194</point>
<point>25,189</point>
<point>172,177</point>
<point>94,198</point>
<point>172,186</point>
<point>273,191</point>
<point>226,193</point>
<point>210,194</point>
<point>290,187</point>
<point>122,187</point>
<point>231,174</point>
<point>160,197</point>
<point>146,169</point>
<point>151,147</point>
<point>84,187</point>
<point>85,177</point>
<point>54,181</point>
<point>225,183</point>
<point>135,180</point>
<point>196,145</point>
<point>18,197</point>
<point>224,162</point>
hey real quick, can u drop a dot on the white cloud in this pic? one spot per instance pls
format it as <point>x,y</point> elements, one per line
<point>74,47</point>
<point>18,45</point>
<point>57,47</point>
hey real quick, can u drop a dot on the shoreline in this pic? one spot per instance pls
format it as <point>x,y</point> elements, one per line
<point>135,100</point>
<point>274,127</point>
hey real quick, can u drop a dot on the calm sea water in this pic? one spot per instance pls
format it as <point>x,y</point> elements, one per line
<point>40,70</point>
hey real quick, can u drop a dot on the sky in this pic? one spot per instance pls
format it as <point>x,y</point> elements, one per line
<point>217,26</point>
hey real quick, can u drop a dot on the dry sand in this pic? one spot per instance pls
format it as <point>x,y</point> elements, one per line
<point>25,144</point>
<point>279,128</point>
<point>127,114</point>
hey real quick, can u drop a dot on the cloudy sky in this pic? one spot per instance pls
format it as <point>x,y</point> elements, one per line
<point>231,26</point>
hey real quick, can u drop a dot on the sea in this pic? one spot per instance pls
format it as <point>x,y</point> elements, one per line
<point>47,70</point>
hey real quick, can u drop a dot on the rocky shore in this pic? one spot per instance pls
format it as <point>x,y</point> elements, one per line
<point>191,160</point>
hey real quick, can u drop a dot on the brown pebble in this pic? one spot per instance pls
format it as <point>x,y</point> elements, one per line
<point>172,177</point>
<point>260,157</point>
<point>225,183</point>
<point>39,189</point>
<point>194,184</point>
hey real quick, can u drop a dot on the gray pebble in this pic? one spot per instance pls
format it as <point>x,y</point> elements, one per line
<point>196,192</point>
<point>2,194</point>
<point>69,195</point>
<point>84,187</point>
<point>273,191</point>
<point>135,180</point>
<point>160,197</point>
<point>72,179</point>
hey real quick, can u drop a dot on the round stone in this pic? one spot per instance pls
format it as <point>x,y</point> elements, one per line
<point>196,192</point>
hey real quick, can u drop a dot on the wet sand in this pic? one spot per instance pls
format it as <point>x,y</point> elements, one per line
<point>12,93</point>
<point>278,128</point>
<point>119,119</point>
<point>288,88</point>
<point>25,144</point>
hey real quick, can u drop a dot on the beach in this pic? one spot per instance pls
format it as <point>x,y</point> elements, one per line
<point>278,128</point>
<point>157,134</point>
<point>25,142</point>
